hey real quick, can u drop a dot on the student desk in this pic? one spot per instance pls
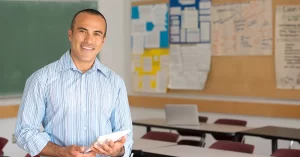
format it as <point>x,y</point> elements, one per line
<point>203,127</point>
<point>274,133</point>
<point>141,144</point>
<point>192,151</point>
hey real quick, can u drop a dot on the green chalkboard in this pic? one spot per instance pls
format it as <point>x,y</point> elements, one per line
<point>32,35</point>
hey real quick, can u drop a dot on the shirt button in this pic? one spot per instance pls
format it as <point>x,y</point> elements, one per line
<point>84,128</point>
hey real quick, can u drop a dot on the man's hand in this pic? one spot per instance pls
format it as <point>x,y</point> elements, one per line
<point>54,150</point>
<point>76,151</point>
<point>110,148</point>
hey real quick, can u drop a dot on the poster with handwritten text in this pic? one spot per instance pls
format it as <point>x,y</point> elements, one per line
<point>287,49</point>
<point>242,28</point>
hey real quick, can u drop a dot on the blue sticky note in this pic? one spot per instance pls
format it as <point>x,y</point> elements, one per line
<point>135,12</point>
<point>164,42</point>
<point>149,26</point>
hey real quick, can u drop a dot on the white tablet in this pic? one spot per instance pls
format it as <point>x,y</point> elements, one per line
<point>115,136</point>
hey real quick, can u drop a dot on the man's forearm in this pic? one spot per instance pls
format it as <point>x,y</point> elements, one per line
<point>53,150</point>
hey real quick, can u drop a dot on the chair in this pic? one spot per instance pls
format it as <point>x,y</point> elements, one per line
<point>200,143</point>
<point>3,142</point>
<point>229,122</point>
<point>233,146</point>
<point>161,136</point>
<point>286,153</point>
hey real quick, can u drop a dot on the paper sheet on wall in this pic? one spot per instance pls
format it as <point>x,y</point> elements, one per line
<point>189,18</point>
<point>137,44</point>
<point>150,70</point>
<point>190,21</point>
<point>189,66</point>
<point>149,43</point>
<point>150,22</point>
<point>287,49</point>
<point>242,28</point>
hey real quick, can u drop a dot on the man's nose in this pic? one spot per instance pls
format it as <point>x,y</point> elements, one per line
<point>88,38</point>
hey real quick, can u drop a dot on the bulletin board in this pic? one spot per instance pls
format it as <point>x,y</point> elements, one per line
<point>246,76</point>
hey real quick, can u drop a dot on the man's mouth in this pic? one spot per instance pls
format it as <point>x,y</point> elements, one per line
<point>87,48</point>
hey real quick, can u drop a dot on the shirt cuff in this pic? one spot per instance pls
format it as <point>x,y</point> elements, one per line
<point>127,148</point>
<point>37,143</point>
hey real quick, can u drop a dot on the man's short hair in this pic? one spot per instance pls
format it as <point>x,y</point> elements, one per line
<point>89,11</point>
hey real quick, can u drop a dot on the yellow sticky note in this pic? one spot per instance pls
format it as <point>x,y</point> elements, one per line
<point>153,83</point>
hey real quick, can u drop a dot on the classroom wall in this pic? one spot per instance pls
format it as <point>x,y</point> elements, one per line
<point>116,55</point>
<point>262,145</point>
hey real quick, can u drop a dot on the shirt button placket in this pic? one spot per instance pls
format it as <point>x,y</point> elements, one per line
<point>83,102</point>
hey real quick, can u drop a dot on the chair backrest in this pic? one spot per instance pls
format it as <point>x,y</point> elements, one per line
<point>199,143</point>
<point>202,119</point>
<point>233,146</point>
<point>3,142</point>
<point>229,122</point>
<point>286,153</point>
<point>161,136</point>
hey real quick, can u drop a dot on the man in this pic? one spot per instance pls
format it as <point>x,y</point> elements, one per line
<point>76,99</point>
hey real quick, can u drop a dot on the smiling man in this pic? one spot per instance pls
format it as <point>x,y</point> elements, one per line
<point>76,99</point>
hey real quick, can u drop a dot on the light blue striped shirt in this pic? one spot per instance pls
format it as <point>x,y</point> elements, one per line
<point>74,108</point>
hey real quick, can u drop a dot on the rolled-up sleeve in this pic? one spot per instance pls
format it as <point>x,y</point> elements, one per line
<point>31,113</point>
<point>121,117</point>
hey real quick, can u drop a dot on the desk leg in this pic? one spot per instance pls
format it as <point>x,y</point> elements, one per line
<point>274,145</point>
<point>148,128</point>
<point>237,137</point>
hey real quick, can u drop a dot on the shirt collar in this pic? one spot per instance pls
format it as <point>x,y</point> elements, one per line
<point>66,62</point>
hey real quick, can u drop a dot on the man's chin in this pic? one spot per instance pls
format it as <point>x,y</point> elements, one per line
<point>89,60</point>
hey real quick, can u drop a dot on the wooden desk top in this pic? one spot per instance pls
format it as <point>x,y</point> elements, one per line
<point>141,144</point>
<point>184,151</point>
<point>204,127</point>
<point>274,132</point>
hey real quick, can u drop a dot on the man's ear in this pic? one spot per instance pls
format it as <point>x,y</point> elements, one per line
<point>103,40</point>
<point>70,33</point>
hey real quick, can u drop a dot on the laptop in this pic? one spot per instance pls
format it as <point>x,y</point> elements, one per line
<point>181,114</point>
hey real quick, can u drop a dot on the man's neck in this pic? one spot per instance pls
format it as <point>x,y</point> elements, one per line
<point>81,65</point>
<point>84,66</point>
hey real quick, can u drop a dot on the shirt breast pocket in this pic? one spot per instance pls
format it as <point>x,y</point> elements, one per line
<point>62,101</point>
<point>105,104</point>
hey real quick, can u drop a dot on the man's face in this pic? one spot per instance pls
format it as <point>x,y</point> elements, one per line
<point>87,37</point>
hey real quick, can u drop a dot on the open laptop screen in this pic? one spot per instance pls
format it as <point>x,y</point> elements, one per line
<point>181,114</point>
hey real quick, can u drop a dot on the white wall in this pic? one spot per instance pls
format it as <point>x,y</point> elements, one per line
<point>115,52</point>
<point>116,55</point>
